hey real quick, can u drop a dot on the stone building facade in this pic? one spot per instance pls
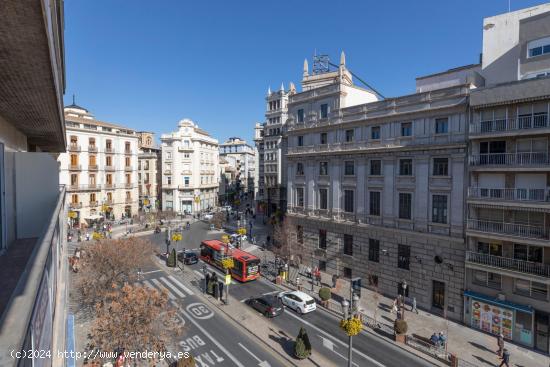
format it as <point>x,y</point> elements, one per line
<point>376,188</point>
<point>149,174</point>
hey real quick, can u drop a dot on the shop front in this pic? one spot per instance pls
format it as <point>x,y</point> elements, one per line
<point>495,316</point>
<point>187,206</point>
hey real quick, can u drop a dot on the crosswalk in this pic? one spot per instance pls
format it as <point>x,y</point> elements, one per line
<point>175,289</point>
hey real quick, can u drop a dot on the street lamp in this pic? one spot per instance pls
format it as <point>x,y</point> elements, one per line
<point>404,286</point>
<point>350,311</point>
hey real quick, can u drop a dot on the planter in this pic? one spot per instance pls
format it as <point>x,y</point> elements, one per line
<point>400,338</point>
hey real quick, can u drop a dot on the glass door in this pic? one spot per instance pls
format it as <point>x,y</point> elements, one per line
<point>541,331</point>
<point>438,294</point>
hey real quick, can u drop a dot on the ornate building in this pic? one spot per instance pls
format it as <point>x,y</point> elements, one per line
<point>149,172</point>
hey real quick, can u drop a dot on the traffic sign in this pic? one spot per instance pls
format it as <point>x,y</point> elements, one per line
<point>72,215</point>
<point>176,237</point>
<point>227,279</point>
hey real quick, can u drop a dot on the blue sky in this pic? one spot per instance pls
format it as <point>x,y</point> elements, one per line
<point>148,64</point>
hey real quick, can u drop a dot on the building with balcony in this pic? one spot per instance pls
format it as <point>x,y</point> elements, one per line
<point>190,172</point>
<point>508,198</point>
<point>242,157</point>
<point>376,187</point>
<point>274,155</point>
<point>99,168</point>
<point>149,172</point>
<point>33,217</point>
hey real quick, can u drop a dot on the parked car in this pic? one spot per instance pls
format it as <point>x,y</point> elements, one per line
<point>268,305</point>
<point>207,216</point>
<point>188,257</point>
<point>298,301</point>
<point>227,208</point>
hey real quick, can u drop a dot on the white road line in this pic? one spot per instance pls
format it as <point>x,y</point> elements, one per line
<point>149,284</point>
<point>151,272</point>
<point>335,339</point>
<point>249,352</point>
<point>177,291</point>
<point>201,275</point>
<point>178,283</point>
<point>218,344</point>
<point>330,346</point>
<point>160,286</point>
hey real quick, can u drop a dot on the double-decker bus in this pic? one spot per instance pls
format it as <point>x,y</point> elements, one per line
<point>246,266</point>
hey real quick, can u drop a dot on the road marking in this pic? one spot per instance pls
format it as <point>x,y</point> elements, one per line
<point>218,344</point>
<point>160,286</point>
<point>180,294</point>
<point>200,311</point>
<point>150,272</point>
<point>335,339</point>
<point>330,346</point>
<point>198,273</point>
<point>268,293</point>
<point>261,363</point>
<point>178,283</point>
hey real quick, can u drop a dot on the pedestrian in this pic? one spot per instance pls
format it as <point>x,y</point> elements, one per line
<point>220,286</point>
<point>394,306</point>
<point>442,339</point>
<point>334,280</point>
<point>414,309</point>
<point>505,358</point>
<point>207,281</point>
<point>268,240</point>
<point>318,276</point>
<point>500,344</point>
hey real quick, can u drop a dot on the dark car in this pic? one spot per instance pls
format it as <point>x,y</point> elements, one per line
<point>268,305</point>
<point>188,257</point>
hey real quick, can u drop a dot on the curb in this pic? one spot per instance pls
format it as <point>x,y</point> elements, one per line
<point>365,329</point>
<point>231,319</point>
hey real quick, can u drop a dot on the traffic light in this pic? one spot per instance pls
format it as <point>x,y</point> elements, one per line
<point>356,286</point>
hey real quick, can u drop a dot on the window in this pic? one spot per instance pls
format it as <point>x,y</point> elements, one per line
<point>74,179</point>
<point>108,160</point>
<point>439,209</point>
<point>324,111</point>
<point>186,181</point>
<point>110,197</point>
<point>109,179</point>
<point>324,138</point>
<point>300,115</point>
<point>323,239</point>
<point>323,198</point>
<point>403,256</point>
<point>127,147</point>
<point>300,234</point>
<point>348,244</point>
<point>128,178</point>
<point>528,253</point>
<point>405,167</point>
<point>91,143</point>
<point>300,197</point>
<point>300,168</point>
<point>127,161</point>
<point>92,160</point>
<point>374,203</point>
<point>92,198</point>
<point>538,47</point>
<point>348,201</point>
<point>301,141</point>
<point>406,129</point>
<point>74,198</point>
<point>74,159</point>
<point>349,135</point>
<point>374,250</point>
<point>442,125</point>
<point>486,279</point>
<point>347,273</point>
<point>376,167</point>
<point>322,265</point>
<point>323,168</point>
<point>494,249</point>
<point>375,132</point>
<point>405,201</point>
<point>441,167</point>
<point>169,180</point>
<point>349,168</point>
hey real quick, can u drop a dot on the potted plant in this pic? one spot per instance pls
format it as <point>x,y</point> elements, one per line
<point>325,294</point>
<point>400,329</point>
<point>302,346</point>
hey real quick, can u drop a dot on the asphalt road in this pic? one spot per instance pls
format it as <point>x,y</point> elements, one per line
<point>325,334</point>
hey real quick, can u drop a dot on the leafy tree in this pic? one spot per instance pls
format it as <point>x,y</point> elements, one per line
<point>109,264</point>
<point>400,326</point>
<point>186,362</point>
<point>135,318</point>
<point>302,346</point>
<point>325,294</point>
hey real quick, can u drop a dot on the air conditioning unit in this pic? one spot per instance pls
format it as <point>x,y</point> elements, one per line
<point>501,297</point>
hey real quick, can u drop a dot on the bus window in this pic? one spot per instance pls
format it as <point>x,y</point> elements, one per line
<point>206,251</point>
<point>252,267</point>
<point>237,268</point>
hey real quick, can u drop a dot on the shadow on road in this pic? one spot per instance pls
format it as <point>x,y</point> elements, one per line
<point>284,341</point>
<point>482,347</point>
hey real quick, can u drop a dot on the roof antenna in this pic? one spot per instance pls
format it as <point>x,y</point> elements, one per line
<point>508,6</point>
<point>73,99</point>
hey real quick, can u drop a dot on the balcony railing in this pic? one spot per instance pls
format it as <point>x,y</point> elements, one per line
<point>128,200</point>
<point>522,266</point>
<point>509,229</point>
<point>109,186</point>
<point>92,148</point>
<point>109,168</point>
<point>92,167</point>
<point>93,204</point>
<point>510,194</point>
<point>75,205</point>
<point>73,148</point>
<point>128,185</point>
<point>128,168</point>
<point>75,167</point>
<point>127,151</point>
<point>109,150</point>
<point>513,124</point>
<point>83,187</point>
<point>510,159</point>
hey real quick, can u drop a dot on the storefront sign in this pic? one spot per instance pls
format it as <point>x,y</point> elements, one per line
<point>492,319</point>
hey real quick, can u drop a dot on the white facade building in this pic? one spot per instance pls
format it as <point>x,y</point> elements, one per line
<point>259,181</point>
<point>243,158</point>
<point>190,172</point>
<point>149,175</point>
<point>99,168</point>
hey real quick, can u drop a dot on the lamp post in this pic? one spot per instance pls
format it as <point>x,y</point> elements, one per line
<point>350,310</point>
<point>404,286</point>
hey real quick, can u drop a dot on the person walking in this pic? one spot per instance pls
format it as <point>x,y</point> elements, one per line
<point>220,286</point>
<point>505,359</point>
<point>414,309</point>
<point>334,280</point>
<point>206,282</point>
<point>500,344</point>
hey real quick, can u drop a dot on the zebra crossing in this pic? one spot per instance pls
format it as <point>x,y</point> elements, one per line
<point>175,289</point>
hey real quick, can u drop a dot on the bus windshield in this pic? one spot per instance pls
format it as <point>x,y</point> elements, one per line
<point>252,267</point>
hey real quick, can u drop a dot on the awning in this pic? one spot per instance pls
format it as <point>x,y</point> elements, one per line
<point>93,217</point>
<point>498,302</point>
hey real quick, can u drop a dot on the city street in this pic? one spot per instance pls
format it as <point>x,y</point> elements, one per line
<point>325,334</point>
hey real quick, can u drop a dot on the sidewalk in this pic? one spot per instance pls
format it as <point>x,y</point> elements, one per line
<point>471,346</point>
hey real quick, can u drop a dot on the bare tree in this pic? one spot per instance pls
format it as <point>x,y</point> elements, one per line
<point>286,243</point>
<point>109,264</point>
<point>136,318</point>
<point>218,219</point>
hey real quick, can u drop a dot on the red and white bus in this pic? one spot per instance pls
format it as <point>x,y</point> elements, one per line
<point>246,266</point>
